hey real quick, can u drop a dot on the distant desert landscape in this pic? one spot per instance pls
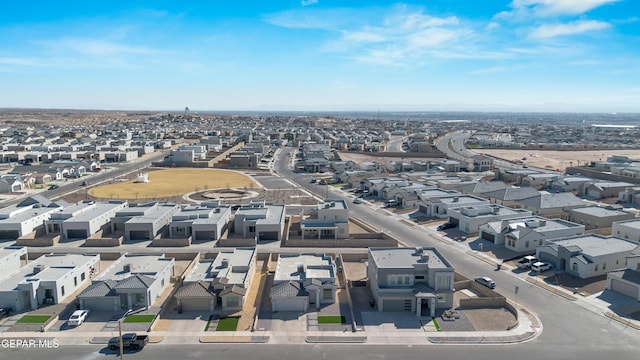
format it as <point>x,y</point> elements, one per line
<point>554,159</point>
<point>547,159</point>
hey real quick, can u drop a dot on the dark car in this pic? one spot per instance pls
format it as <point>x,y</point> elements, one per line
<point>4,312</point>
<point>446,226</point>
<point>53,187</point>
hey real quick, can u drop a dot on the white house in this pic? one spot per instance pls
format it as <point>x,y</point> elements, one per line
<point>302,280</point>
<point>586,255</point>
<point>470,218</point>
<point>627,281</point>
<point>329,220</point>
<point>627,229</point>
<point>83,219</point>
<point>48,279</point>
<point>260,220</point>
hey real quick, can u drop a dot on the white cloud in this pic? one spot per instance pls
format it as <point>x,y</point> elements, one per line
<point>308,2</point>
<point>95,47</point>
<point>524,9</point>
<point>573,28</point>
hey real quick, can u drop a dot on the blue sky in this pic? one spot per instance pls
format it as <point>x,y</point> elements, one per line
<point>486,55</point>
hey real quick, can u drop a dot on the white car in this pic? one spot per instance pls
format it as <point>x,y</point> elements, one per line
<point>486,281</point>
<point>540,266</point>
<point>78,317</point>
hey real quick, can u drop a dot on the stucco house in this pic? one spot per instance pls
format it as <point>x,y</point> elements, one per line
<point>418,280</point>
<point>586,255</point>
<point>303,280</point>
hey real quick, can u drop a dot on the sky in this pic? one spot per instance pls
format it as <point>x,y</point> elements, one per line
<point>322,55</point>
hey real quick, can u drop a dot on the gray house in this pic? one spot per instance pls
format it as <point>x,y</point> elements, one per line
<point>627,281</point>
<point>587,255</point>
<point>203,222</point>
<point>144,221</point>
<point>418,280</point>
<point>133,281</point>
<point>260,221</point>
<point>597,217</point>
<point>302,280</point>
<point>224,281</point>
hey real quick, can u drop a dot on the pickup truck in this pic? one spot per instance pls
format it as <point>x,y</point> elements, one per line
<point>129,341</point>
<point>526,262</point>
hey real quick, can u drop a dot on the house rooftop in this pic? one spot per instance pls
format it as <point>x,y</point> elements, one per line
<point>598,211</point>
<point>135,264</point>
<point>238,263</point>
<point>48,267</point>
<point>597,245</point>
<point>632,223</point>
<point>316,266</point>
<point>408,257</point>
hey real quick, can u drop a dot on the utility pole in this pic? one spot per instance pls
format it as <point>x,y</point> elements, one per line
<point>120,339</point>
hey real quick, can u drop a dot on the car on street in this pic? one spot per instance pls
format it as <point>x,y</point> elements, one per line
<point>540,266</point>
<point>357,201</point>
<point>4,312</point>
<point>129,341</point>
<point>78,317</point>
<point>446,226</point>
<point>53,187</point>
<point>486,281</point>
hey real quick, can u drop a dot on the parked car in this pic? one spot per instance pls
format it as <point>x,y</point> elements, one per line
<point>78,317</point>
<point>526,262</point>
<point>53,187</point>
<point>4,312</point>
<point>486,281</point>
<point>446,226</point>
<point>129,341</point>
<point>84,183</point>
<point>357,201</point>
<point>540,266</point>
<point>391,203</point>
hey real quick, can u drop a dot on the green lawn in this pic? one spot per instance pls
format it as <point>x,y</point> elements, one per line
<point>227,324</point>
<point>139,318</point>
<point>34,319</point>
<point>435,322</point>
<point>336,319</point>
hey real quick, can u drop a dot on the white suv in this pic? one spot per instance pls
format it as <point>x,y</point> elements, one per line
<point>540,266</point>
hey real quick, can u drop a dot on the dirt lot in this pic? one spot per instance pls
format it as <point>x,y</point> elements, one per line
<point>553,159</point>
<point>171,182</point>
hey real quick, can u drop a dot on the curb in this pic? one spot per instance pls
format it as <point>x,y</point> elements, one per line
<point>512,339</point>
<point>335,339</point>
<point>623,321</point>
<point>233,339</point>
<point>551,289</point>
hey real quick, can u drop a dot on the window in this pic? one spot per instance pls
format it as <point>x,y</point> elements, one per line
<point>596,268</point>
<point>442,299</point>
<point>75,281</point>
<point>327,294</point>
<point>232,301</point>
<point>140,298</point>
<point>604,266</point>
<point>252,229</point>
<point>419,277</point>
<point>574,267</point>
<point>526,244</point>
<point>399,280</point>
<point>444,282</point>
<point>62,290</point>
<point>82,277</point>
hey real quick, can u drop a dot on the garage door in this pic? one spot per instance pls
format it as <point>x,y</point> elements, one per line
<point>139,235</point>
<point>624,288</point>
<point>396,305</point>
<point>99,304</point>
<point>268,235</point>
<point>77,234</point>
<point>9,234</point>
<point>487,236</point>
<point>289,304</point>
<point>454,221</point>
<point>204,235</point>
<point>196,304</point>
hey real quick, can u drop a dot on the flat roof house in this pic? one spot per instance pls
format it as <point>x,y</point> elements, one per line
<point>46,280</point>
<point>301,280</point>
<point>470,218</point>
<point>203,222</point>
<point>418,280</point>
<point>523,235</point>
<point>133,281</point>
<point>27,216</point>
<point>438,207</point>
<point>587,255</point>
<point>83,219</point>
<point>260,220</point>
<point>143,221</point>
<point>627,229</point>
<point>10,259</point>
<point>224,280</point>
<point>329,220</point>
<point>550,205</point>
<point>627,281</point>
<point>598,217</point>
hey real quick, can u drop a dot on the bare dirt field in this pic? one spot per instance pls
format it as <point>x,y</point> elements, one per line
<point>172,182</point>
<point>553,159</point>
<point>362,158</point>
